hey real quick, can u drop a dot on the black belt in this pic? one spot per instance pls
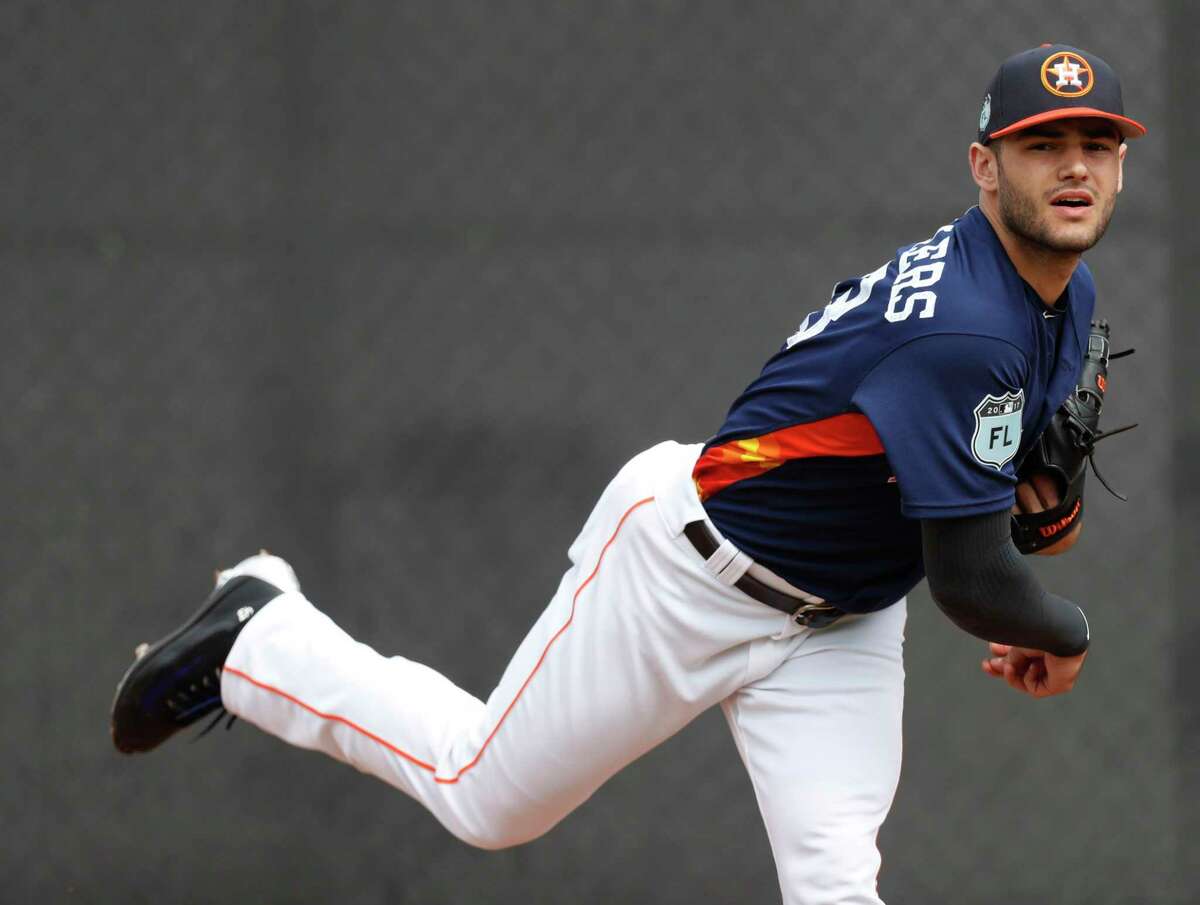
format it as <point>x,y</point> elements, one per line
<point>813,615</point>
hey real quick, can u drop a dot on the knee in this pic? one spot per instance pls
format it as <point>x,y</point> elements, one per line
<point>490,840</point>
<point>501,832</point>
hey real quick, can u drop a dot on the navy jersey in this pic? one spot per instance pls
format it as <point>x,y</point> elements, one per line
<point>913,394</point>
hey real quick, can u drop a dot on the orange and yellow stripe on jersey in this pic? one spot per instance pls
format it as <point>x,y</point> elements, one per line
<point>841,436</point>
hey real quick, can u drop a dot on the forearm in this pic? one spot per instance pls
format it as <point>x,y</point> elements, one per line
<point>985,587</point>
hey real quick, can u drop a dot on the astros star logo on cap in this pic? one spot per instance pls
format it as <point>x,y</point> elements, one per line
<point>1067,74</point>
<point>1051,82</point>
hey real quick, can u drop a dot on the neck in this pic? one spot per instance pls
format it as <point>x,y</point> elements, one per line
<point>1046,270</point>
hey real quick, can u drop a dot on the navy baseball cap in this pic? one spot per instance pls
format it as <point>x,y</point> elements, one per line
<point>1052,82</point>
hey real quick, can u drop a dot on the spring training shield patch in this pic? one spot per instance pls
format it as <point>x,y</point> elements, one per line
<point>998,428</point>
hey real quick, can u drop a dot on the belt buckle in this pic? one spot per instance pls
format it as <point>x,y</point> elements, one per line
<point>810,615</point>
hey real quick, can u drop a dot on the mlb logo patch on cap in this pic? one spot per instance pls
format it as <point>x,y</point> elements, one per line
<point>1054,81</point>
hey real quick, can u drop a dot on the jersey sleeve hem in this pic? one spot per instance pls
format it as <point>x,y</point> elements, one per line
<point>956,510</point>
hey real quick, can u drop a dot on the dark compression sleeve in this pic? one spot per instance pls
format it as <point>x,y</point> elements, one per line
<point>986,587</point>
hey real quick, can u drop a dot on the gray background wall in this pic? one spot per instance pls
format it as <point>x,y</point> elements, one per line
<point>393,289</point>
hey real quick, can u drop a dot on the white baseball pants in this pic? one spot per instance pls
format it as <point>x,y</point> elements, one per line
<point>641,636</point>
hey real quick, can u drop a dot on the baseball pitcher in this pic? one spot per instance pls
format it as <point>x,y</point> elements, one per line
<point>933,420</point>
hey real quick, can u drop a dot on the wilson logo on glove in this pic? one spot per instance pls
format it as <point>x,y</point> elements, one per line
<point>1064,522</point>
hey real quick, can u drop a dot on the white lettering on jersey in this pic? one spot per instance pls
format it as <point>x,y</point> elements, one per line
<point>903,299</point>
<point>838,305</point>
<point>921,277</point>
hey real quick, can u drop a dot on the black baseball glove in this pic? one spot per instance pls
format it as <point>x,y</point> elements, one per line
<point>1065,448</point>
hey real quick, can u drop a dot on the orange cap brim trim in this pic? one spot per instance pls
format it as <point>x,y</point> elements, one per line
<point>1130,128</point>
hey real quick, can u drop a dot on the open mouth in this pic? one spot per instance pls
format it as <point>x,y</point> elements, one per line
<point>1072,199</point>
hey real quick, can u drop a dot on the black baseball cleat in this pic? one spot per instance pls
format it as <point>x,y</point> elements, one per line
<point>177,680</point>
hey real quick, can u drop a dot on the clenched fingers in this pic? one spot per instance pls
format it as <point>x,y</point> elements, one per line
<point>1037,493</point>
